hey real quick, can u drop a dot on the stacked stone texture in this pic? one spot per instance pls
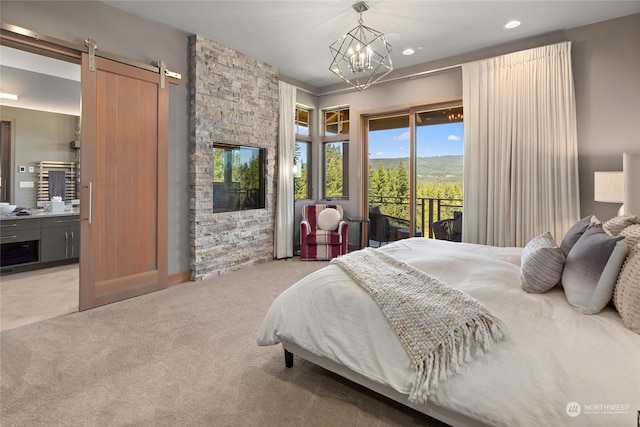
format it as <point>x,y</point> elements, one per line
<point>234,101</point>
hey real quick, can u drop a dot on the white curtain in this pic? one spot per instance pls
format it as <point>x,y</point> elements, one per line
<point>283,239</point>
<point>520,147</point>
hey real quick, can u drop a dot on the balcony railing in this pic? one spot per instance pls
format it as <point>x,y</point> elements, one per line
<point>428,210</point>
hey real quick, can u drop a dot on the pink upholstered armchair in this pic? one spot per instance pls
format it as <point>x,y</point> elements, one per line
<point>323,232</point>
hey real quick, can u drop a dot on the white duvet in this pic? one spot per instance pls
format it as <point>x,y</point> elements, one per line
<point>556,365</point>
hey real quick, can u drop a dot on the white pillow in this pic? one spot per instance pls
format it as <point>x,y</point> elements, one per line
<point>541,264</point>
<point>328,219</point>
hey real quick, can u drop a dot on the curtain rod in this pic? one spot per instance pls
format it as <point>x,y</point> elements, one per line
<point>83,48</point>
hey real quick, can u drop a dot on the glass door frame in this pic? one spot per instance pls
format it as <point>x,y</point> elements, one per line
<point>411,112</point>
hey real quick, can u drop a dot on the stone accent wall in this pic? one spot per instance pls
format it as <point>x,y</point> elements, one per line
<point>233,100</point>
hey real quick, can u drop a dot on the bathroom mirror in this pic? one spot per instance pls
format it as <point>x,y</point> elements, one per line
<point>42,124</point>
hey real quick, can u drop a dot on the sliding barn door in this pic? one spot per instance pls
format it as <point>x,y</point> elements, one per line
<point>124,182</point>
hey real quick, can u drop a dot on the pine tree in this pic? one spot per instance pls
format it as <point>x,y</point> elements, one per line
<point>333,170</point>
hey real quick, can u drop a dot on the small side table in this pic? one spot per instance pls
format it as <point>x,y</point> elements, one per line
<point>361,221</point>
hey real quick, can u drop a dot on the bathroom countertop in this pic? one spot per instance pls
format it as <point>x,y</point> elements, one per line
<point>39,214</point>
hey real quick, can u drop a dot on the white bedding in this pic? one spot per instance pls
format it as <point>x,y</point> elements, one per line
<point>552,354</point>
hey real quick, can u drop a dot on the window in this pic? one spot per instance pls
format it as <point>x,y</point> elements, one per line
<point>439,155</point>
<point>336,153</point>
<point>302,159</point>
<point>336,122</point>
<point>334,170</point>
<point>238,178</point>
<point>301,170</point>
<point>415,160</point>
<point>302,121</point>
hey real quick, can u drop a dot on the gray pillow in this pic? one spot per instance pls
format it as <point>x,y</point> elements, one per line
<point>592,268</point>
<point>541,264</point>
<point>574,233</point>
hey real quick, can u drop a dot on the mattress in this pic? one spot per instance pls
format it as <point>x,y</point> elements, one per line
<point>556,366</point>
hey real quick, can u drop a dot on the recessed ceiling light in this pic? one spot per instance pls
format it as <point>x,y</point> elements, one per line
<point>512,24</point>
<point>408,51</point>
<point>8,96</point>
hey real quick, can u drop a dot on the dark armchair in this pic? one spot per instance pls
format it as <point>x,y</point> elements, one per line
<point>448,229</point>
<point>384,228</point>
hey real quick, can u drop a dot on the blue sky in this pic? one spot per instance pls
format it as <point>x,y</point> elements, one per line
<point>433,140</point>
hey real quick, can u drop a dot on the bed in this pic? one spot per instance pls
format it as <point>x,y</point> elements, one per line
<point>566,354</point>
<point>555,365</point>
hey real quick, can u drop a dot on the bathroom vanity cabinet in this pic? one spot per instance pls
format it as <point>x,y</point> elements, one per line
<point>38,241</point>
<point>60,238</point>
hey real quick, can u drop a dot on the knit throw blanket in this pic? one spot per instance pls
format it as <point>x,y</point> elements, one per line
<point>440,327</point>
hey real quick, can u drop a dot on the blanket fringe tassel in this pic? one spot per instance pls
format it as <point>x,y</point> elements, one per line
<point>454,353</point>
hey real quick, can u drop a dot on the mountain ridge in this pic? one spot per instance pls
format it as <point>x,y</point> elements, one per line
<point>434,168</point>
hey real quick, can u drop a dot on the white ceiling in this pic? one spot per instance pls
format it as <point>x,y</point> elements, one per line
<point>294,36</point>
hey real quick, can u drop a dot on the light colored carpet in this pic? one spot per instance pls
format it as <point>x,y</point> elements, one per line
<point>37,295</point>
<point>185,356</point>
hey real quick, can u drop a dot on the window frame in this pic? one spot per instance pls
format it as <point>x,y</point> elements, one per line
<point>305,139</point>
<point>343,123</point>
<point>412,111</point>
<point>297,121</point>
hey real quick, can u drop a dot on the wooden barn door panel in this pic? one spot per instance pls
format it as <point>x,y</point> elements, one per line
<point>124,183</point>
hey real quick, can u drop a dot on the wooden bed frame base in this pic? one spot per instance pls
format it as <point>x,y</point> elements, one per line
<point>452,418</point>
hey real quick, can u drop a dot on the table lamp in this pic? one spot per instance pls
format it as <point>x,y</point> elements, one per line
<point>608,187</point>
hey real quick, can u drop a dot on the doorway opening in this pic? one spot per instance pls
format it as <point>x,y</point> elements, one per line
<point>40,132</point>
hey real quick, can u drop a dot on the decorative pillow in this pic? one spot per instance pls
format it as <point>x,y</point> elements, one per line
<point>626,294</point>
<point>592,268</point>
<point>615,225</point>
<point>541,264</point>
<point>328,219</point>
<point>574,233</point>
<point>631,237</point>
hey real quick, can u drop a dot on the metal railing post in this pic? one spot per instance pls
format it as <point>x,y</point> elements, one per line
<point>424,231</point>
<point>430,216</point>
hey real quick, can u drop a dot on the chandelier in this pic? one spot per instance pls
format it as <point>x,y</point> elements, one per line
<point>362,56</point>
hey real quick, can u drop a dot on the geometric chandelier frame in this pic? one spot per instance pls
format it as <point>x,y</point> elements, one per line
<point>362,56</point>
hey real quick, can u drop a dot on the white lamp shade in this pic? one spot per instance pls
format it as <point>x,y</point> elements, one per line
<point>608,187</point>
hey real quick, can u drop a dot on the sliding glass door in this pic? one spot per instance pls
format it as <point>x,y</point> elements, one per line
<point>389,166</point>
<point>414,162</point>
<point>439,159</point>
